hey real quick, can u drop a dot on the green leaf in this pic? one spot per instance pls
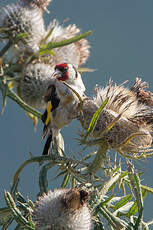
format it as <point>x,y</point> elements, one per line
<point>11,94</point>
<point>8,223</point>
<point>16,212</point>
<point>107,200</point>
<point>5,214</point>
<point>95,118</point>
<point>114,221</point>
<point>43,182</point>
<point>74,182</point>
<point>124,174</point>
<point>85,69</point>
<point>31,221</point>
<point>31,204</point>
<point>150,222</point>
<point>148,189</point>
<point>49,52</point>
<point>47,36</point>
<point>123,201</point>
<point>52,45</point>
<point>20,198</point>
<point>4,95</point>
<point>98,226</point>
<point>66,180</point>
<point>5,48</point>
<point>21,36</point>
<point>134,208</point>
<point>124,210</point>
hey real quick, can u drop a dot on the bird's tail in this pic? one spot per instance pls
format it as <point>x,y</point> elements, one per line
<point>47,144</point>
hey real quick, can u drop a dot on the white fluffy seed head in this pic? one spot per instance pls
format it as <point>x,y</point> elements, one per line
<point>18,19</point>
<point>76,53</point>
<point>63,209</point>
<point>34,83</point>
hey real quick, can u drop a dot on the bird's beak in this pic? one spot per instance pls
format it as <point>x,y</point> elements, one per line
<point>57,74</point>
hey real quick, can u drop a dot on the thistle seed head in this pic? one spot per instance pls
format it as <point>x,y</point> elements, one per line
<point>42,4</point>
<point>76,53</point>
<point>82,45</point>
<point>63,209</point>
<point>121,100</point>
<point>131,130</point>
<point>143,96</point>
<point>16,19</point>
<point>34,83</point>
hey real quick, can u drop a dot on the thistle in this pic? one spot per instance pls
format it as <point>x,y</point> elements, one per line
<point>42,4</point>
<point>143,96</point>
<point>76,53</point>
<point>63,209</point>
<point>34,83</point>
<point>125,124</point>
<point>23,25</point>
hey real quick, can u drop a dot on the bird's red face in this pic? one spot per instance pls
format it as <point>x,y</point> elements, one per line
<point>62,70</point>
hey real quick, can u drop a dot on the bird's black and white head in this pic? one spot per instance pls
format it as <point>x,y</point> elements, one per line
<point>65,72</point>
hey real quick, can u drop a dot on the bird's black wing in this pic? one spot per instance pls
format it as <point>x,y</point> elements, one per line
<point>50,96</point>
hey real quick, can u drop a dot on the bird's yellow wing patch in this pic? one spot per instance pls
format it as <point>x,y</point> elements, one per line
<point>49,109</point>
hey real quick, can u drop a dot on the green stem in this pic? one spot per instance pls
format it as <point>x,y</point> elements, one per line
<point>114,221</point>
<point>53,45</point>
<point>99,158</point>
<point>18,100</point>
<point>5,49</point>
<point>43,182</point>
<point>40,159</point>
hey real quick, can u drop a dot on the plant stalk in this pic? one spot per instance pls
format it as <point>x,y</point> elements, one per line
<point>99,158</point>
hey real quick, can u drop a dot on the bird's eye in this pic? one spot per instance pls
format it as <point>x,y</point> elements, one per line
<point>65,69</point>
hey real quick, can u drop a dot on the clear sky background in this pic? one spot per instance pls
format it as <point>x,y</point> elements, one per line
<point>121,48</point>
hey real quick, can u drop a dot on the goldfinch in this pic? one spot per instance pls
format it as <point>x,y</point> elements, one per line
<point>61,100</point>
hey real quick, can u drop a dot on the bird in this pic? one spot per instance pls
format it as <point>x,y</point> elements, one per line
<point>35,77</point>
<point>61,101</point>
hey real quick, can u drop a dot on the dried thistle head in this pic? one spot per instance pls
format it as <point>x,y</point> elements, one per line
<point>42,4</point>
<point>63,209</point>
<point>20,20</point>
<point>76,53</point>
<point>34,83</point>
<point>125,123</point>
<point>143,96</point>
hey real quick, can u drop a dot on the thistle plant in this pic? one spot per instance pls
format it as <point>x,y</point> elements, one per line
<point>22,24</point>
<point>101,189</point>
